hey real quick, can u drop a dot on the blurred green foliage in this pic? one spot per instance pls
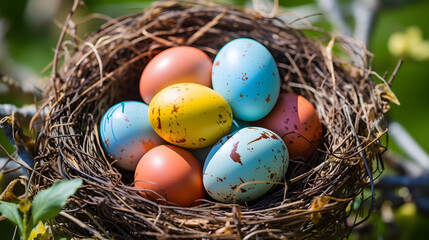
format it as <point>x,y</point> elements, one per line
<point>411,84</point>
<point>33,45</point>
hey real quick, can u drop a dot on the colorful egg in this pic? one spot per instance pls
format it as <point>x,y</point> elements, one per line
<point>296,120</point>
<point>170,173</point>
<point>126,133</point>
<point>248,155</point>
<point>182,64</point>
<point>246,75</point>
<point>190,115</point>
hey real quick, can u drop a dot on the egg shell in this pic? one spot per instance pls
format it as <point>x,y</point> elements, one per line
<point>172,173</point>
<point>190,115</point>
<point>126,133</point>
<point>182,64</point>
<point>296,120</point>
<point>245,73</point>
<point>250,154</point>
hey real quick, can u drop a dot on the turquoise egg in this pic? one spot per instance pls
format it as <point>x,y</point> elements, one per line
<point>245,73</point>
<point>126,133</point>
<point>245,156</point>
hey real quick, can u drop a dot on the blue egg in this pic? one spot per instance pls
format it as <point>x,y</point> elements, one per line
<point>126,133</point>
<point>245,73</point>
<point>248,155</point>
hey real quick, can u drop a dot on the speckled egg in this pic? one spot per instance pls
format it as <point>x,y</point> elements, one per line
<point>245,73</point>
<point>190,115</point>
<point>126,133</point>
<point>248,155</point>
<point>296,120</point>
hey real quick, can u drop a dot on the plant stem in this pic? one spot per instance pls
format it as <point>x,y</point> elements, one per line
<point>24,227</point>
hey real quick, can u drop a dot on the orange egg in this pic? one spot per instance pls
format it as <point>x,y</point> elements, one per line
<point>172,173</point>
<point>295,119</point>
<point>182,64</point>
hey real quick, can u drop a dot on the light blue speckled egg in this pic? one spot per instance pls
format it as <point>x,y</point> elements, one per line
<point>248,155</point>
<point>245,73</point>
<point>126,133</point>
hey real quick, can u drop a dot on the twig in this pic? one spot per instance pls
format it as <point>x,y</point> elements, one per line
<point>347,112</point>
<point>398,65</point>
<point>9,170</point>
<point>205,28</point>
<point>17,161</point>
<point>83,225</point>
<point>14,232</point>
<point>57,49</point>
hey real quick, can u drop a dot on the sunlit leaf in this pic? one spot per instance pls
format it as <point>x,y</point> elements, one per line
<point>386,93</point>
<point>39,232</point>
<point>24,206</point>
<point>48,203</point>
<point>11,212</point>
<point>318,203</point>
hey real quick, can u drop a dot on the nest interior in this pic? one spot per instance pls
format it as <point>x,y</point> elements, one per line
<point>315,200</point>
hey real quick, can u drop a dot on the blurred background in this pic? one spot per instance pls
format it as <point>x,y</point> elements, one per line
<point>392,29</point>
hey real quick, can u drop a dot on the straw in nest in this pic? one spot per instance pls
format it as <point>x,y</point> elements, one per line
<point>314,200</point>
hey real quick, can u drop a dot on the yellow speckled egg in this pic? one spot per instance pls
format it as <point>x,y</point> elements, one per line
<point>190,115</point>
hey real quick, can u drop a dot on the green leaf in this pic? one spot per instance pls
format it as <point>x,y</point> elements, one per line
<point>48,203</point>
<point>11,212</point>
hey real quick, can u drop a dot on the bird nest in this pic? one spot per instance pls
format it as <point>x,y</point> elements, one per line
<point>319,196</point>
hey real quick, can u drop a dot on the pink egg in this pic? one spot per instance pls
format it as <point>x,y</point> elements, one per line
<point>295,119</point>
<point>182,64</point>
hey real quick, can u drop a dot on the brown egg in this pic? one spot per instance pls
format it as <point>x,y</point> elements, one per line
<point>182,64</point>
<point>170,172</point>
<point>295,119</point>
